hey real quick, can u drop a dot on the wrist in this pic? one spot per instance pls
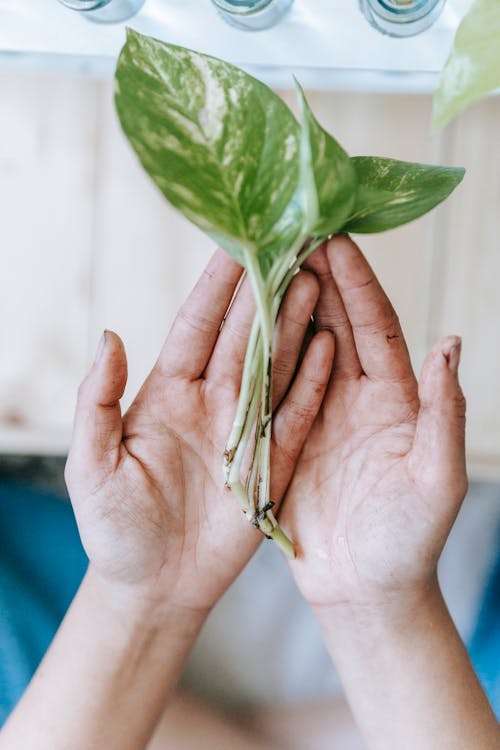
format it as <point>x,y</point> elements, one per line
<point>145,608</point>
<point>406,673</point>
<point>387,612</point>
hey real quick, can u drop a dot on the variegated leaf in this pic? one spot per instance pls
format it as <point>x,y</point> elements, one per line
<point>327,176</point>
<point>220,145</point>
<point>473,67</point>
<point>391,192</point>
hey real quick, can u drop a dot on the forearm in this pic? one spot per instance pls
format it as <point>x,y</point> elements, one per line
<point>106,677</point>
<point>407,676</point>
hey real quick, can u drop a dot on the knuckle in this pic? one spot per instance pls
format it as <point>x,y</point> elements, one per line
<point>316,383</point>
<point>240,331</point>
<point>386,324</point>
<point>365,281</point>
<point>336,317</point>
<point>284,364</point>
<point>286,440</point>
<point>289,453</point>
<point>197,322</point>
<point>298,316</point>
<point>208,274</point>
<point>301,411</point>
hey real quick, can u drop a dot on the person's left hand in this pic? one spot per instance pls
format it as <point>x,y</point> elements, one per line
<point>382,475</point>
<point>148,488</point>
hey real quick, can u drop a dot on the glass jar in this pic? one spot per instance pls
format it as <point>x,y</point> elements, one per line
<point>105,11</point>
<point>252,15</point>
<point>401,18</point>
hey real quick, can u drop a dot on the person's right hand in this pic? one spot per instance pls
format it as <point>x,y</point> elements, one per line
<point>382,475</point>
<point>148,488</point>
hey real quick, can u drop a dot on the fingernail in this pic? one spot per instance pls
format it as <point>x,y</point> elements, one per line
<point>100,347</point>
<point>454,356</point>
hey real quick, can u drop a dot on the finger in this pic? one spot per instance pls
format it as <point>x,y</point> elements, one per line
<point>292,324</point>
<point>226,362</point>
<point>298,411</point>
<point>378,336</point>
<point>97,429</point>
<point>190,342</point>
<point>439,447</point>
<point>310,333</point>
<point>330,313</point>
<point>229,353</point>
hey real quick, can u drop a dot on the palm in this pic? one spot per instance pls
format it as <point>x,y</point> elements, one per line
<point>180,455</point>
<point>356,470</point>
<point>360,491</point>
<point>156,497</point>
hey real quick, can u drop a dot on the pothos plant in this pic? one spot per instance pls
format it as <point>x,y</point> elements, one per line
<point>472,69</point>
<point>227,152</point>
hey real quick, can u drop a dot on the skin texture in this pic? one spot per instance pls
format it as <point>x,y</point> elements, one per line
<point>163,537</point>
<point>383,469</point>
<point>375,492</point>
<point>376,489</point>
<point>147,488</point>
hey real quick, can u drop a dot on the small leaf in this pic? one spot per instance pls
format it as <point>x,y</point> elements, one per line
<point>327,176</point>
<point>473,67</point>
<point>392,192</point>
<point>220,145</point>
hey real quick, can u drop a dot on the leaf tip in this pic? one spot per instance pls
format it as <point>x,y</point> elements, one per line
<point>131,34</point>
<point>457,175</point>
<point>301,97</point>
<point>460,172</point>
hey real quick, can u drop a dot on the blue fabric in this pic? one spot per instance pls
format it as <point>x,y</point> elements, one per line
<point>485,644</point>
<point>41,565</point>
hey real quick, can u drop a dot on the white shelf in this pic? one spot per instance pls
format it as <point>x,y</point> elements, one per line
<point>327,39</point>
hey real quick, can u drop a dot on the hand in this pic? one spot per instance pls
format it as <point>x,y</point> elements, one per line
<point>148,488</point>
<point>382,475</point>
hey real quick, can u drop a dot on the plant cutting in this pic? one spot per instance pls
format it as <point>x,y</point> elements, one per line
<point>227,152</point>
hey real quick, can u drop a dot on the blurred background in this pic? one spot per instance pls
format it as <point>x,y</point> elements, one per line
<point>87,242</point>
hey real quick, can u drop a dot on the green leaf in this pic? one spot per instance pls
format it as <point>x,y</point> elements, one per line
<point>327,176</point>
<point>220,145</point>
<point>393,192</point>
<point>473,67</point>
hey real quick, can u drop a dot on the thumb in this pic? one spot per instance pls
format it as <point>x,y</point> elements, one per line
<point>439,447</point>
<point>97,429</point>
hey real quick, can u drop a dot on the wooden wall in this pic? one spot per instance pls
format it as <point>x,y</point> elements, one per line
<point>86,242</point>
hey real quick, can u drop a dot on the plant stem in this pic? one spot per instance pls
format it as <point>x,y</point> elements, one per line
<point>250,370</point>
<point>264,309</point>
<point>264,517</point>
<point>284,543</point>
<point>241,495</point>
<point>234,473</point>
<point>256,394</point>
<point>253,471</point>
<point>282,281</point>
